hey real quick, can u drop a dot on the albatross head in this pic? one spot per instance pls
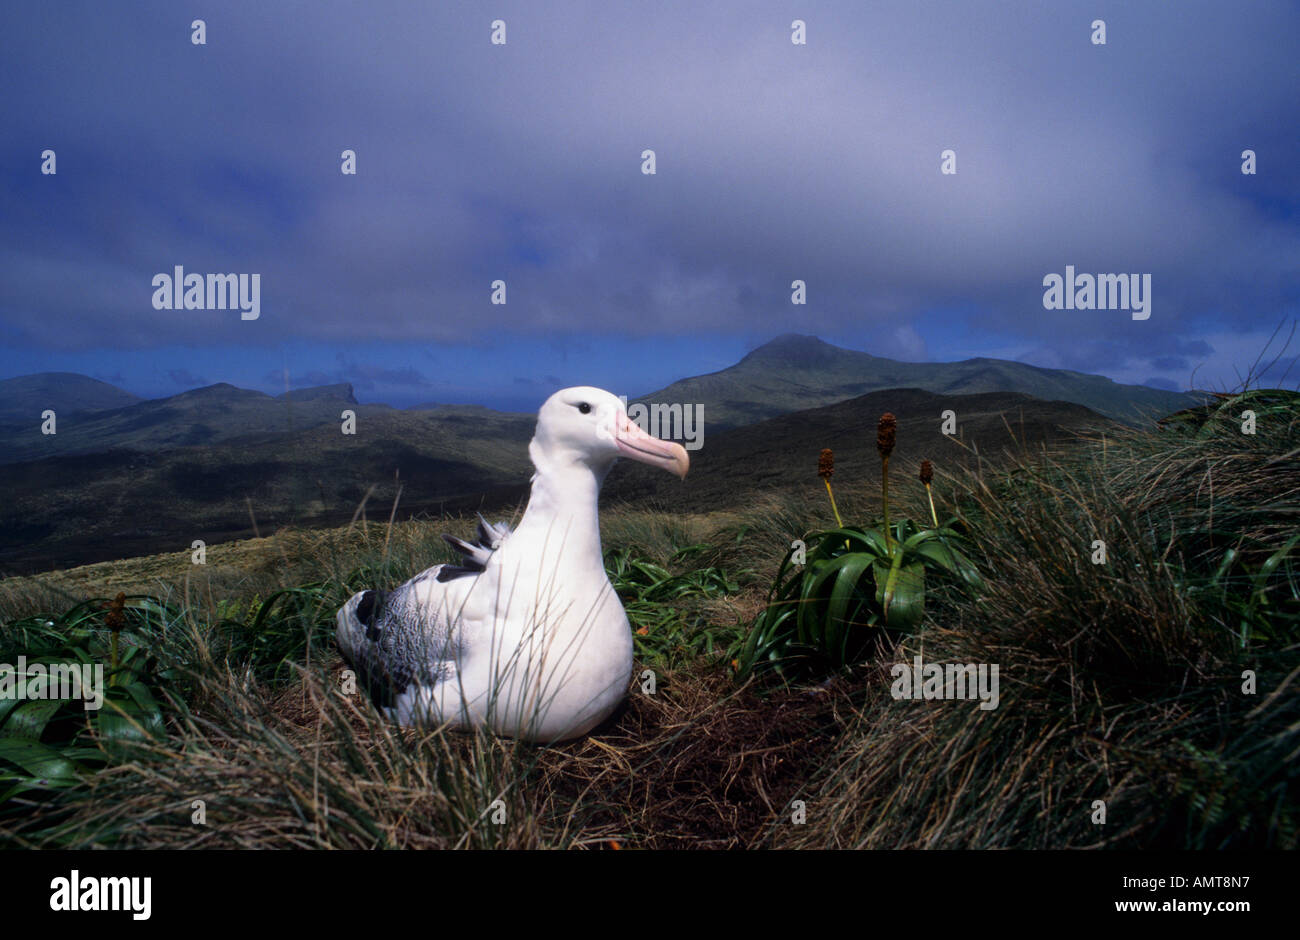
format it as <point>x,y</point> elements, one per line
<point>590,426</point>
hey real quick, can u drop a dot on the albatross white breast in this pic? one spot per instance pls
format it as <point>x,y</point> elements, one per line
<point>526,636</point>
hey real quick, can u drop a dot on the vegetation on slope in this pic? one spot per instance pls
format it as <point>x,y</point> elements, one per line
<point>1126,682</point>
<point>793,373</point>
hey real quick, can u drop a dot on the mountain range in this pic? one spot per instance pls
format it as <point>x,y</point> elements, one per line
<point>735,465</point>
<point>794,372</point>
<point>23,399</point>
<point>127,476</point>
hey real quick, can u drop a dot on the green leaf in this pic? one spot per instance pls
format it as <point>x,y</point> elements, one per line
<point>900,592</point>
<point>832,541</point>
<point>142,696</point>
<point>30,718</point>
<point>810,615</point>
<point>951,560</point>
<point>847,588</point>
<point>120,724</point>
<point>908,601</point>
<point>1269,566</point>
<point>41,763</point>
<point>6,706</point>
<point>880,574</point>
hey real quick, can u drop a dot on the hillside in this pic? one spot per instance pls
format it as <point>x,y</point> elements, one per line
<point>215,414</point>
<point>789,374</point>
<point>75,509</point>
<point>79,509</point>
<point>23,399</point>
<point>734,465</point>
<point>1120,681</point>
<point>222,462</point>
<point>793,372</point>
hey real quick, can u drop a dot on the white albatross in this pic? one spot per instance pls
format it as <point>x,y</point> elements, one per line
<point>527,636</point>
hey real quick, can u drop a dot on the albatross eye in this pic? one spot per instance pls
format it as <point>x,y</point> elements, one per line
<point>584,408</point>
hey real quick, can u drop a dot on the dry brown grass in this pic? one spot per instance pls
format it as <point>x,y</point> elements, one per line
<point>698,764</point>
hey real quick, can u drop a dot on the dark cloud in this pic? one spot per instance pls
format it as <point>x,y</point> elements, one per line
<point>183,378</point>
<point>544,384</point>
<point>309,379</point>
<point>361,375</point>
<point>1280,370</point>
<point>775,162</point>
<point>405,377</point>
<point>1187,347</point>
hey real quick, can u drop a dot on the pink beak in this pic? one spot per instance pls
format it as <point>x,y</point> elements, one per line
<point>637,444</point>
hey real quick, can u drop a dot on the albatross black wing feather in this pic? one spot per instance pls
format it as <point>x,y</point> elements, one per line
<point>474,554</point>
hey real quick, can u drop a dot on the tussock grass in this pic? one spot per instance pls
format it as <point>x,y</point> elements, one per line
<point>1120,682</point>
<point>308,768</point>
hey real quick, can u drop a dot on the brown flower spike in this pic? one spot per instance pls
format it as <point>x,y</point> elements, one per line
<point>886,432</point>
<point>115,619</point>
<point>927,472</point>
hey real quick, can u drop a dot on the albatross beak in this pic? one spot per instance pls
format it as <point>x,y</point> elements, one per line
<point>637,444</point>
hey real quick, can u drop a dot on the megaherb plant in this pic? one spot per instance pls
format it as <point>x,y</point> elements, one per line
<point>840,591</point>
<point>95,653</point>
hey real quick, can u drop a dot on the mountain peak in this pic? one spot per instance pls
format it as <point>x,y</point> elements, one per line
<point>796,349</point>
<point>795,372</point>
<point>220,391</point>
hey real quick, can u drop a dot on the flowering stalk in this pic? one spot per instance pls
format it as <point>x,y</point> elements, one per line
<point>927,474</point>
<point>826,467</point>
<point>886,434</point>
<point>115,620</point>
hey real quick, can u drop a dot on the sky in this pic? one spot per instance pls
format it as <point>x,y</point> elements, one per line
<point>522,162</point>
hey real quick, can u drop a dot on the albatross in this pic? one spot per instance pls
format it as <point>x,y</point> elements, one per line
<point>526,635</point>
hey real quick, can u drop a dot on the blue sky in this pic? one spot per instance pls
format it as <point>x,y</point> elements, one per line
<point>522,162</point>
